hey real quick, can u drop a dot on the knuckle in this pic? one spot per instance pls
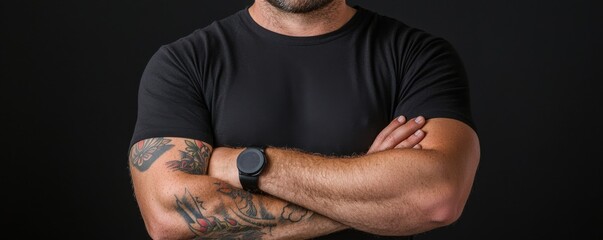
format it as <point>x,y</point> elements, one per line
<point>413,137</point>
<point>414,125</point>
<point>389,140</point>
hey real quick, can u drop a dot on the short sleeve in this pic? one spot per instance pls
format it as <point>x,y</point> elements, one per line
<point>170,99</point>
<point>434,83</point>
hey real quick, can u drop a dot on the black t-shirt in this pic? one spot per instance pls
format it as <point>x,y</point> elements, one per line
<point>234,83</point>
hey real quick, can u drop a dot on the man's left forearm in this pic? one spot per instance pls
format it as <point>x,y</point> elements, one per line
<point>385,193</point>
<point>393,192</point>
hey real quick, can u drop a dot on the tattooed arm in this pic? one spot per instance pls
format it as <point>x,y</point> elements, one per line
<point>179,201</point>
<point>392,192</point>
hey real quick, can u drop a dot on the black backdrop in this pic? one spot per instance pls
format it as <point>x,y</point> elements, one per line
<point>70,71</point>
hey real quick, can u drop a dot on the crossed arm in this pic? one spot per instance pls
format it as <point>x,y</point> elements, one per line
<point>393,190</point>
<point>179,201</point>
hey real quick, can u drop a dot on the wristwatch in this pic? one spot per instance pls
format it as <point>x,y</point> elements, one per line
<point>250,163</point>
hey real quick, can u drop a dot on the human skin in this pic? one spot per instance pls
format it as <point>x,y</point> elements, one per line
<point>397,191</point>
<point>178,200</point>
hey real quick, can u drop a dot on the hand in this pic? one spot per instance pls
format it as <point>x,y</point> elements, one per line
<point>400,134</point>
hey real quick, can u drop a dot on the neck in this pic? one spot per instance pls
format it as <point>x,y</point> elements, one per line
<point>321,21</point>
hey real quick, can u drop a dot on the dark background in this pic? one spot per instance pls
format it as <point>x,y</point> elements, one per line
<point>70,71</point>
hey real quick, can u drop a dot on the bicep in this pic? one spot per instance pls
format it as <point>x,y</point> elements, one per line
<point>456,142</point>
<point>187,155</point>
<point>154,160</point>
<point>449,135</point>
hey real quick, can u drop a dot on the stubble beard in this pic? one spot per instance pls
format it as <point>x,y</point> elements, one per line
<point>299,6</point>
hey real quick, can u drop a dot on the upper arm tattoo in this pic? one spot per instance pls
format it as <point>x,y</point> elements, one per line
<point>144,153</point>
<point>194,160</point>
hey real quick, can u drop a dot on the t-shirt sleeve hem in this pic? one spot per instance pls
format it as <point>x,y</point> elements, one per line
<point>449,114</point>
<point>172,132</point>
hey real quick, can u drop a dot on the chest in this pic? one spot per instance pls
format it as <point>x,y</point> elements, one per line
<point>331,104</point>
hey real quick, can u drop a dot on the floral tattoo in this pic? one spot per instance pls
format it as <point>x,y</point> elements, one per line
<point>194,160</point>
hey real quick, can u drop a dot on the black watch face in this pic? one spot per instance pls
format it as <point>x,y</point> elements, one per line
<point>250,161</point>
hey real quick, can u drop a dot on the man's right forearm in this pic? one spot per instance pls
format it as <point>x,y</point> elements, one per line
<point>178,201</point>
<point>222,211</point>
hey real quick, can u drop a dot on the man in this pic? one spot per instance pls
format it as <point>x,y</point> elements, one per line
<point>296,119</point>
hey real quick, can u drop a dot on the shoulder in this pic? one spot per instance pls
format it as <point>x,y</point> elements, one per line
<point>400,34</point>
<point>193,52</point>
<point>202,39</point>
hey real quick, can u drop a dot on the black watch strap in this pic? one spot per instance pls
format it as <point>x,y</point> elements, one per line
<point>249,183</point>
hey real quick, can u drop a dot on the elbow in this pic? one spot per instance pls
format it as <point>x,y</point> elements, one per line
<point>172,214</point>
<point>160,225</point>
<point>167,216</point>
<point>443,203</point>
<point>442,209</point>
<point>161,219</point>
<point>159,229</point>
<point>444,214</point>
<point>429,212</point>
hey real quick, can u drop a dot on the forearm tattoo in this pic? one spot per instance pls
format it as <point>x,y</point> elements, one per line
<point>245,219</point>
<point>293,213</point>
<point>193,160</point>
<point>144,153</point>
<point>212,227</point>
<point>246,209</point>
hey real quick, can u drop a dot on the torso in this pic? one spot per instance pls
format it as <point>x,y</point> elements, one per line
<point>321,95</point>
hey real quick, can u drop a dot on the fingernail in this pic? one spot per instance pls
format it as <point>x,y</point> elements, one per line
<point>419,119</point>
<point>418,133</point>
<point>401,119</point>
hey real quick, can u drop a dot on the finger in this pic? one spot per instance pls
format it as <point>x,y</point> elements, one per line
<point>413,140</point>
<point>401,133</point>
<point>418,146</point>
<point>399,121</point>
